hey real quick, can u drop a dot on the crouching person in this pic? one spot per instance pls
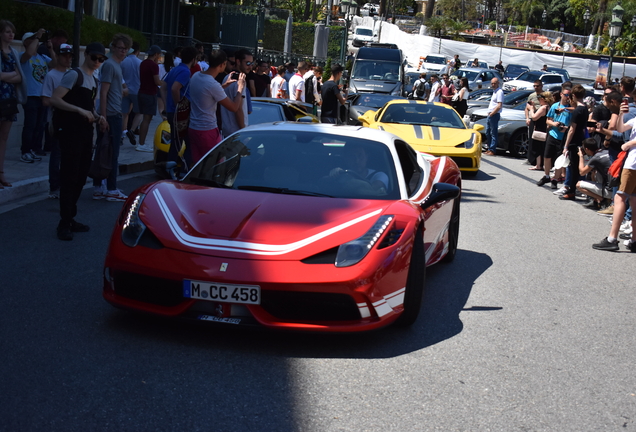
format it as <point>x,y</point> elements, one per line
<point>599,163</point>
<point>73,120</point>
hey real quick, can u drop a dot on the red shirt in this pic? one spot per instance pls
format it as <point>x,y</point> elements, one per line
<point>195,68</point>
<point>147,71</point>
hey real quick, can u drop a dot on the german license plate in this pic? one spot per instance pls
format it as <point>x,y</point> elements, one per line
<point>222,292</point>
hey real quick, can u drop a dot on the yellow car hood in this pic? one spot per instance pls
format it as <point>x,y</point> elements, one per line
<point>436,136</point>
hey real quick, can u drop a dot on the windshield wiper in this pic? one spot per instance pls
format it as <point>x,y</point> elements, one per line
<point>286,191</point>
<point>207,182</point>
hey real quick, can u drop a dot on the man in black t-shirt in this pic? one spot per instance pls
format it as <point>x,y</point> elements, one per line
<point>598,188</point>
<point>574,138</point>
<point>331,97</point>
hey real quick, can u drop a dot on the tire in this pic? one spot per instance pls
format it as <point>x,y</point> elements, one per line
<point>414,283</point>
<point>453,233</point>
<point>518,144</point>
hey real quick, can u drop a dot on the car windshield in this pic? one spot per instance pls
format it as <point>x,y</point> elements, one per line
<point>435,60</point>
<point>364,32</point>
<point>512,97</point>
<point>263,112</point>
<point>551,79</point>
<point>515,70</point>
<point>376,70</point>
<point>308,163</point>
<point>422,114</point>
<point>562,72</point>
<point>529,76</point>
<point>470,75</point>
<point>373,100</point>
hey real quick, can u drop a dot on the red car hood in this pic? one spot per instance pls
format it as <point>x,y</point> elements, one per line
<point>254,225</point>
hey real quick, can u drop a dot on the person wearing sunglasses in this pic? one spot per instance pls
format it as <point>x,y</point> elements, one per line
<point>73,123</point>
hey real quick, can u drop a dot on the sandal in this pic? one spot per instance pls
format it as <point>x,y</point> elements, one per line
<point>3,181</point>
<point>535,169</point>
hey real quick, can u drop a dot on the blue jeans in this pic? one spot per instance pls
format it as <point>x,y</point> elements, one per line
<point>492,132</point>
<point>33,130</point>
<point>115,124</point>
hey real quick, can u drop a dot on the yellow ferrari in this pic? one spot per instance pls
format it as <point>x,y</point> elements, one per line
<point>432,128</point>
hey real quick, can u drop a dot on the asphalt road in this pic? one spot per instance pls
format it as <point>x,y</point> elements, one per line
<point>528,330</point>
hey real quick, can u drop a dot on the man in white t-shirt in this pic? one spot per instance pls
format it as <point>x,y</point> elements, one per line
<point>436,89</point>
<point>278,85</point>
<point>51,81</point>
<point>205,94</point>
<point>494,114</point>
<point>297,83</point>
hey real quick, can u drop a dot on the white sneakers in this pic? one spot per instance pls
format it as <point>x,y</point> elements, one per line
<point>114,195</point>
<point>145,148</point>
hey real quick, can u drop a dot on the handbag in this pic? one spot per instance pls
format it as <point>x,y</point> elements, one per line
<point>455,97</point>
<point>539,136</point>
<point>102,163</point>
<point>182,115</point>
<point>8,107</point>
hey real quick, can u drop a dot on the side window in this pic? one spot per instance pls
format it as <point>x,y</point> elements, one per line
<point>489,75</point>
<point>410,168</point>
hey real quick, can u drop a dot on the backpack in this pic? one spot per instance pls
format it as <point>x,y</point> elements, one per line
<point>309,90</point>
<point>56,115</point>
<point>421,89</point>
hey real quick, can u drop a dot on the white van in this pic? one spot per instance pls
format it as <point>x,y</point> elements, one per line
<point>363,35</point>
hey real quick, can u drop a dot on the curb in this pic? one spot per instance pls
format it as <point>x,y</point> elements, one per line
<point>40,185</point>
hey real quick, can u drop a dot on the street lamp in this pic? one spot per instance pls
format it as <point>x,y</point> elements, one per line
<point>615,31</point>
<point>586,18</point>
<point>544,16</point>
<point>344,8</point>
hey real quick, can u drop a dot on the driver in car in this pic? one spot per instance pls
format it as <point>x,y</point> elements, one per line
<point>357,160</point>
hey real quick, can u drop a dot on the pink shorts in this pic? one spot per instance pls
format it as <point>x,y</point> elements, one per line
<point>202,142</point>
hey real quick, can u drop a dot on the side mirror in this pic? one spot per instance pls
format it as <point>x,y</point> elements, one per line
<point>440,192</point>
<point>305,119</point>
<point>479,127</point>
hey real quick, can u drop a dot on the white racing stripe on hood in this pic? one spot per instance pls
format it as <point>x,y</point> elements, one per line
<point>247,247</point>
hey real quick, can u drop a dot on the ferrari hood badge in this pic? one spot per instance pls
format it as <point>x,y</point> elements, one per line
<point>223,267</point>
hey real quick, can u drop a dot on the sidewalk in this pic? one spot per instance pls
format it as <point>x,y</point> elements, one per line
<point>32,179</point>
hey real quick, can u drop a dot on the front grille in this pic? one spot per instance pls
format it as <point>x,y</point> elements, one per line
<point>309,306</point>
<point>148,289</point>
<point>463,162</point>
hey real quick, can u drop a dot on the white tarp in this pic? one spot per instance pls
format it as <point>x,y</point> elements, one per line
<point>415,46</point>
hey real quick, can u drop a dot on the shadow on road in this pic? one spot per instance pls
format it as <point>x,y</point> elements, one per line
<point>448,287</point>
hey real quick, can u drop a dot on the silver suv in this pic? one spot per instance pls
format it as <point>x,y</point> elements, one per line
<point>526,80</point>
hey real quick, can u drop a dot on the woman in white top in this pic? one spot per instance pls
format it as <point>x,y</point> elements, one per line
<point>462,96</point>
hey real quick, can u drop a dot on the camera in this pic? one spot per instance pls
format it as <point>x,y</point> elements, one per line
<point>234,76</point>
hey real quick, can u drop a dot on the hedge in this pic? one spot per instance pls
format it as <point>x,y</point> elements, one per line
<point>29,17</point>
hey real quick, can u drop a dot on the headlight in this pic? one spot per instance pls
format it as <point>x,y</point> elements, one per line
<point>133,226</point>
<point>352,252</point>
<point>468,144</point>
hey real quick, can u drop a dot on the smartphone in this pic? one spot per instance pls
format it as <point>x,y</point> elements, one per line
<point>234,76</point>
<point>591,124</point>
<point>45,36</point>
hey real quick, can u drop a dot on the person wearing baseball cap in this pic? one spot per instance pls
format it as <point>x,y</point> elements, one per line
<point>51,82</point>
<point>35,67</point>
<point>73,123</point>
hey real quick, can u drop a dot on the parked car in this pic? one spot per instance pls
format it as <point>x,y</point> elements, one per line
<point>513,137</point>
<point>308,227</point>
<point>512,71</point>
<point>360,103</point>
<point>433,63</point>
<point>516,112</point>
<point>476,77</point>
<point>564,72</point>
<point>525,81</point>
<point>511,99</point>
